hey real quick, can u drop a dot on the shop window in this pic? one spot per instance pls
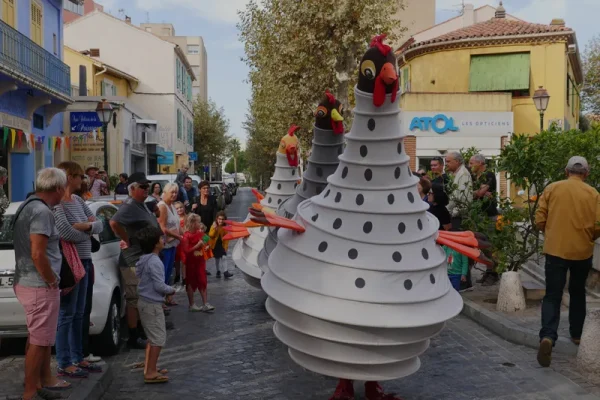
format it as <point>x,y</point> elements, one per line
<point>38,121</point>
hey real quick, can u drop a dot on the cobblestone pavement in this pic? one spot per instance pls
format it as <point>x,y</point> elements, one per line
<point>233,354</point>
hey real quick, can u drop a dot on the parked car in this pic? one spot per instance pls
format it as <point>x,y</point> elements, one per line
<point>233,187</point>
<point>108,306</point>
<point>217,192</point>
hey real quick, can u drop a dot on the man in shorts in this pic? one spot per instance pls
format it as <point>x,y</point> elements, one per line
<point>132,216</point>
<point>37,275</point>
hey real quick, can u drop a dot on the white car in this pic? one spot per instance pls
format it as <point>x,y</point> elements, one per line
<point>108,305</point>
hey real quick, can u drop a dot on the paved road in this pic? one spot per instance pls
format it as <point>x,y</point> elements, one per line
<point>232,354</point>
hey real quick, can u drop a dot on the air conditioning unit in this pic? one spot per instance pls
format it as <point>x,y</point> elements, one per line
<point>572,49</point>
<point>147,131</point>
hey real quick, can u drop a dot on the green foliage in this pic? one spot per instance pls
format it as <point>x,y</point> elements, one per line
<point>531,163</point>
<point>211,140</point>
<point>591,68</point>
<point>296,50</point>
<point>242,164</point>
<point>113,181</point>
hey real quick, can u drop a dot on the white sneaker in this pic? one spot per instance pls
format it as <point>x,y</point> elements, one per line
<point>208,307</point>
<point>195,308</point>
<point>92,358</point>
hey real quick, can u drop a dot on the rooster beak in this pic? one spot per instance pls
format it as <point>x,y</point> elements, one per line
<point>388,73</point>
<point>335,115</point>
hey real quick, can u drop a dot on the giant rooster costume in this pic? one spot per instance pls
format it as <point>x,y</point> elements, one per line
<point>327,145</point>
<point>283,185</point>
<point>357,283</point>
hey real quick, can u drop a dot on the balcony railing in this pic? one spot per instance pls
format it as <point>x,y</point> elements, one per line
<point>23,57</point>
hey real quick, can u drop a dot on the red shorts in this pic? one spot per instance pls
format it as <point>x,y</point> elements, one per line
<point>41,306</point>
<point>195,275</point>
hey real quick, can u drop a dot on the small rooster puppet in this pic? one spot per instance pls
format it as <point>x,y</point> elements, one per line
<point>327,145</point>
<point>358,283</point>
<point>283,185</point>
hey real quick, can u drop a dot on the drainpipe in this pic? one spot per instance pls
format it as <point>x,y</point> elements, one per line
<point>103,71</point>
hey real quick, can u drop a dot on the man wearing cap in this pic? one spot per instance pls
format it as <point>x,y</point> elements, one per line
<point>132,216</point>
<point>96,185</point>
<point>568,214</point>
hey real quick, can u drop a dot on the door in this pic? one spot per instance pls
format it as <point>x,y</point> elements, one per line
<point>8,12</point>
<point>36,22</point>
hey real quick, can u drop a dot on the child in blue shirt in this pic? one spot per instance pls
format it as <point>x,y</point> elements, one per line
<point>458,266</point>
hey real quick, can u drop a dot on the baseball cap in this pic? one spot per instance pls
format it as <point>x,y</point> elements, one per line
<point>138,177</point>
<point>578,163</point>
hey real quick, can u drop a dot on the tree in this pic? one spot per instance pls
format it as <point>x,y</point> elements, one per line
<point>242,164</point>
<point>211,140</point>
<point>296,50</point>
<point>591,69</point>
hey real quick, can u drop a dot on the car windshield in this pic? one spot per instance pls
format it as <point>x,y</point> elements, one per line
<point>6,233</point>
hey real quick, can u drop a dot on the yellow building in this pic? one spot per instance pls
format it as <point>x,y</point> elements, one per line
<point>101,78</point>
<point>474,86</point>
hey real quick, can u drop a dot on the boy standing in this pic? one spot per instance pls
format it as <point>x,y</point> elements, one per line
<point>152,291</point>
<point>458,267</point>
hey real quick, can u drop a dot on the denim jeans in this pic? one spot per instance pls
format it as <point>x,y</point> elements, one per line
<point>85,337</point>
<point>69,335</point>
<point>556,278</point>
<point>455,281</point>
<point>168,258</point>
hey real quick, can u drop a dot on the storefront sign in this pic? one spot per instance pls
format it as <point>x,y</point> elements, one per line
<point>193,156</point>
<point>457,124</point>
<point>164,157</point>
<point>84,121</point>
<point>15,122</point>
<point>439,123</point>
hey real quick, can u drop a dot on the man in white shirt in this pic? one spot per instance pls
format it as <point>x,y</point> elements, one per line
<point>462,183</point>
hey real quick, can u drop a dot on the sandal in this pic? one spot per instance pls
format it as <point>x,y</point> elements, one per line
<point>59,385</point>
<point>142,364</point>
<point>157,379</point>
<point>93,368</point>
<point>78,373</point>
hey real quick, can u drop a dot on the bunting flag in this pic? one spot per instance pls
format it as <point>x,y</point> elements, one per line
<point>32,140</point>
<point>13,135</point>
<point>20,138</point>
<point>67,141</point>
<point>49,143</point>
<point>58,142</point>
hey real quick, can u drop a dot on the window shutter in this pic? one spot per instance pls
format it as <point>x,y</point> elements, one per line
<point>8,12</point>
<point>36,22</point>
<point>499,72</point>
<point>178,75</point>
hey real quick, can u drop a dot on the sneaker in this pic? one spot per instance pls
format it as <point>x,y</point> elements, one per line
<point>89,367</point>
<point>218,274</point>
<point>76,373</point>
<point>208,307</point>
<point>195,308</point>
<point>92,358</point>
<point>227,274</point>
<point>544,356</point>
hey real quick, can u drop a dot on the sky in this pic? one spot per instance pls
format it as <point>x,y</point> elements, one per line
<point>215,21</point>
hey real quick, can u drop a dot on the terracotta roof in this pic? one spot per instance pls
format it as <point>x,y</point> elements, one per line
<point>494,28</point>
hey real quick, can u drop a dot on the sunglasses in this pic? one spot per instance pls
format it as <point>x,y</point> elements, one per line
<point>144,186</point>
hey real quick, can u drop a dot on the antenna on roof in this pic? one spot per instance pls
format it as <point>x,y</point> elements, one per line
<point>121,12</point>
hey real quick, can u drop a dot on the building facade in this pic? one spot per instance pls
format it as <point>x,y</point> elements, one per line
<point>195,52</point>
<point>165,81</point>
<point>474,86</point>
<point>34,89</point>
<point>417,16</point>
<point>91,81</point>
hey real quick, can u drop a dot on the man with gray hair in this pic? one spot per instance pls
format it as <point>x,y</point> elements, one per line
<point>462,193</point>
<point>568,214</point>
<point>37,274</point>
<point>4,202</point>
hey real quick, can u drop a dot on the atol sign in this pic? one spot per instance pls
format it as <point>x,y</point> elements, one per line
<point>439,123</point>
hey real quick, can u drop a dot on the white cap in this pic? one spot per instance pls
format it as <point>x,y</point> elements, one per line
<point>578,164</point>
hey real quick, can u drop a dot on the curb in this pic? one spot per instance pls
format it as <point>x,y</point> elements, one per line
<point>510,331</point>
<point>95,387</point>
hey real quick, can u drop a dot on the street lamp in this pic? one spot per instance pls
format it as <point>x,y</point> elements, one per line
<point>104,110</point>
<point>541,99</point>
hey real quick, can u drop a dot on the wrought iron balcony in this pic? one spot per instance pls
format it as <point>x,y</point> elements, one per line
<point>26,61</point>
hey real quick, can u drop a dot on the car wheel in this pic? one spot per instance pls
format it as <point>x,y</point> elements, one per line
<point>107,343</point>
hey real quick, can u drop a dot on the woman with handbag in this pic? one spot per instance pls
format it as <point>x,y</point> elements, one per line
<point>76,223</point>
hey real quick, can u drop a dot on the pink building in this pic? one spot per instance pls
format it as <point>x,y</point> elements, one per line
<point>74,11</point>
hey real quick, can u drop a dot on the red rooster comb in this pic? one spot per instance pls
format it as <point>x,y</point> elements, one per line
<point>330,97</point>
<point>293,129</point>
<point>377,41</point>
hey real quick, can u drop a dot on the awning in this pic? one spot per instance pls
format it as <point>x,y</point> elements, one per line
<point>499,72</point>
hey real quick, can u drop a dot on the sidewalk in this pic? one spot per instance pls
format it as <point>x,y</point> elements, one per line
<point>521,327</point>
<point>11,384</point>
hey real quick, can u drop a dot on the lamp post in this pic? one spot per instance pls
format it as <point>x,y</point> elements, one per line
<point>104,110</point>
<point>541,99</point>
